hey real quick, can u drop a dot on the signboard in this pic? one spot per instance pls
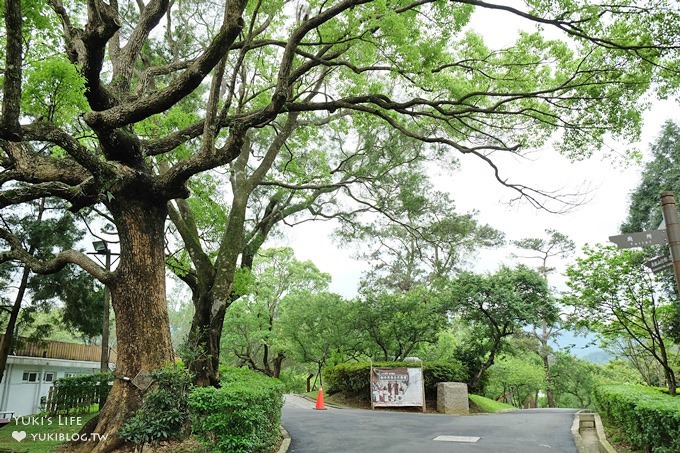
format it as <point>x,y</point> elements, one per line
<point>659,263</point>
<point>640,239</point>
<point>397,387</point>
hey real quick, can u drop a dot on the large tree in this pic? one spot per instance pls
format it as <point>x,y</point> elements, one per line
<point>497,306</point>
<point>117,105</point>
<point>614,294</point>
<point>334,180</point>
<point>393,325</point>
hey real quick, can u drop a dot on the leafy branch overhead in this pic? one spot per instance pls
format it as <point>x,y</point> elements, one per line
<point>358,56</point>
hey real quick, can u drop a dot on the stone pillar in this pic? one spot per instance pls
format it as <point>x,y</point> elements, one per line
<point>452,398</point>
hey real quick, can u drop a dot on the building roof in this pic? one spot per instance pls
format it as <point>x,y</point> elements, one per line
<point>60,350</point>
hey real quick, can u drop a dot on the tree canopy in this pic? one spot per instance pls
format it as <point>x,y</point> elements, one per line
<point>252,323</point>
<point>498,305</point>
<point>614,294</point>
<point>660,174</point>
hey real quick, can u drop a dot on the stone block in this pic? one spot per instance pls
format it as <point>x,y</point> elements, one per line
<point>452,398</point>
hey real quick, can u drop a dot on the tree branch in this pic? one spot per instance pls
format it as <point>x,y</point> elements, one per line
<point>17,253</point>
<point>163,99</point>
<point>150,16</point>
<point>571,27</point>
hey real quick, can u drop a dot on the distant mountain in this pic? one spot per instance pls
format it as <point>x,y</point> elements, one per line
<point>583,347</point>
<point>600,357</point>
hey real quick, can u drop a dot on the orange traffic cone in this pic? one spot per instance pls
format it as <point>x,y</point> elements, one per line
<point>319,400</point>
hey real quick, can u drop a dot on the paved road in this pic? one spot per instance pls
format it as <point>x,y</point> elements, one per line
<point>365,431</point>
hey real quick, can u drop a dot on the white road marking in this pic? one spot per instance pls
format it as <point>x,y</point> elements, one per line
<point>468,439</point>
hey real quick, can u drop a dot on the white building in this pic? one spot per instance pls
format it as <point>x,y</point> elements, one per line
<point>33,367</point>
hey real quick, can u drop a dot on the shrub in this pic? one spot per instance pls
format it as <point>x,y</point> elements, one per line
<point>79,393</point>
<point>353,378</point>
<point>241,417</point>
<point>164,413</point>
<point>647,417</point>
<point>435,372</point>
<point>293,380</point>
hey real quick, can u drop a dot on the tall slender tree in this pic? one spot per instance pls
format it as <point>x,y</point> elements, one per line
<point>42,234</point>
<point>556,245</point>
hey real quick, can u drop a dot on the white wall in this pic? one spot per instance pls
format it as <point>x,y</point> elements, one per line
<point>24,397</point>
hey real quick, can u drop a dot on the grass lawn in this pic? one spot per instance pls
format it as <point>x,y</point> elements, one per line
<point>489,405</point>
<point>31,434</point>
<point>477,403</point>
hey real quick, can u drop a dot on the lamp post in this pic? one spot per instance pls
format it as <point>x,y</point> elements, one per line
<point>670,216</point>
<point>102,248</point>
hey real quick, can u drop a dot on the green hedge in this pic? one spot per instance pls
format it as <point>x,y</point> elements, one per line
<point>78,393</point>
<point>648,418</point>
<point>242,416</point>
<point>353,378</point>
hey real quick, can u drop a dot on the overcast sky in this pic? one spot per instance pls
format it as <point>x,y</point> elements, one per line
<point>608,181</point>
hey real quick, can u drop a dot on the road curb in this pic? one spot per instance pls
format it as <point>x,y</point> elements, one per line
<point>313,400</point>
<point>285,443</point>
<point>588,433</point>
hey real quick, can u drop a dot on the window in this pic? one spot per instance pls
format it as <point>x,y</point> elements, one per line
<point>71,374</point>
<point>31,376</point>
<point>48,376</point>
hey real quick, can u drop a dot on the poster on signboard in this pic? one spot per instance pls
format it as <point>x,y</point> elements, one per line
<point>397,387</point>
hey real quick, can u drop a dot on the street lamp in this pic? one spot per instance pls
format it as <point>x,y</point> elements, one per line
<point>102,248</point>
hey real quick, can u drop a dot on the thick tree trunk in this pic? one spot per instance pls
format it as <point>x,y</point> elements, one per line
<point>142,324</point>
<point>278,364</point>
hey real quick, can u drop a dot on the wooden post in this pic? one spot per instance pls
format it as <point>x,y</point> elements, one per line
<point>370,386</point>
<point>422,375</point>
<point>670,216</point>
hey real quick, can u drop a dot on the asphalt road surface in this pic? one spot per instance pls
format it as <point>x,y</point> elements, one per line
<point>378,431</point>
